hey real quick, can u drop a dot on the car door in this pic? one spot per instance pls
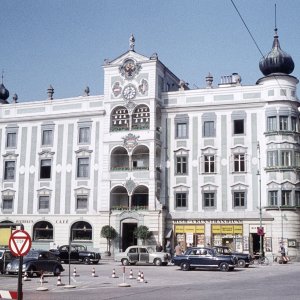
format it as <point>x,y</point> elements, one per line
<point>195,258</point>
<point>64,253</point>
<point>74,253</point>
<point>133,254</point>
<point>143,255</point>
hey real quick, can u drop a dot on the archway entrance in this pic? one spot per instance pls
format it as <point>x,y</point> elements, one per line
<point>128,239</point>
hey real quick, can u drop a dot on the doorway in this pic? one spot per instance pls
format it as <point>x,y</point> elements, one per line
<point>128,239</point>
<point>255,243</point>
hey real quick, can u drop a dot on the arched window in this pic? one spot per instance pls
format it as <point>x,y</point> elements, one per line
<point>141,117</point>
<point>81,231</point>
<point>42,230</point>
<point>119,159</point>
<point>119,199</point>
<point>140,198</point>
<point>140,158</point>
<point>119,119</point>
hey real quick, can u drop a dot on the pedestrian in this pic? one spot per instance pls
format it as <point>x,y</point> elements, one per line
<point>282,251</point>
<point>159,247</point>
<point>178,250</point>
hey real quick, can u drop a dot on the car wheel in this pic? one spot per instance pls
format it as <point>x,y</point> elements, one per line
<point>31,272</point>
<point>86,261</point>
<point>185,266</point>
<point>158,262</point>
<point>125,262</point>
<point>241,263</point>
<point>224,267</point>
<point>56,271</point>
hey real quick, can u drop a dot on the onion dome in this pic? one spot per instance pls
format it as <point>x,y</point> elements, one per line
<point>4,93</point>
<point>276,61</point>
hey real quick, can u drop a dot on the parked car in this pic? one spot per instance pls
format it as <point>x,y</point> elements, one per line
<point>201,257</point>
<point>5,257</point>
<point>142,254</point>
<point>244,259</point>
<point>78,253</point>
<point>36,262</point>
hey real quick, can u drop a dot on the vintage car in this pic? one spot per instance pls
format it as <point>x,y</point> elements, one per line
<point>244,259</point>
<point>78,253</point>
<point>142,254</point>
<point>5,257</point>
<point>36,262</point>
<point>208,258</point>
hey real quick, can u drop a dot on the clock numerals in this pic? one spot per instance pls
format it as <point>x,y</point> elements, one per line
<point>129,92</point>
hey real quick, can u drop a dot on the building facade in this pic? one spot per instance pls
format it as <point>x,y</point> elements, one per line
<point>217,165</point>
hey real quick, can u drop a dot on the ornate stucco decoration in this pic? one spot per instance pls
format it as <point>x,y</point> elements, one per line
<point>129,69</point>
<point>130,186</point>
<point>130,105</point>
<point>130,141</point>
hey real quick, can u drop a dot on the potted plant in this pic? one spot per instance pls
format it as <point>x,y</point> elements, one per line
<point>142,232</point>
<point>109,233</point>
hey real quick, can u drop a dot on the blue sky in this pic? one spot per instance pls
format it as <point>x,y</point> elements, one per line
<point>64,42</point>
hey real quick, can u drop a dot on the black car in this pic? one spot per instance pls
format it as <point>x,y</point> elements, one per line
<point>244,259</point>
<point>78,253</point>
<point>37,262</point>
<point>201,257</point>
<point>5,257</point>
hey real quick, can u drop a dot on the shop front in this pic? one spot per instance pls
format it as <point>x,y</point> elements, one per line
<point>190,235</point>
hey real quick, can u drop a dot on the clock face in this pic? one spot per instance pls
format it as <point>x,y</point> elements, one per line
<point>129,92</point>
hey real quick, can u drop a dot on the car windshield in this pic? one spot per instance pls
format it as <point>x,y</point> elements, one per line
<point>227,251</point>
<point>32,254</point>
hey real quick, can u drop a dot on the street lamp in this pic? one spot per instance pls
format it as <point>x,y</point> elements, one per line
<point>260,231</point>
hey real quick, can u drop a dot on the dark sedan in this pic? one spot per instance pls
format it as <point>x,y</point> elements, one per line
<point>200,257</point>
<point>37,262</point>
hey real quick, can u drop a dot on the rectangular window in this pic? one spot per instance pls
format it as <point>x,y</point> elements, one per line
<point>11,139</point>
<point>209,163</point>
<point>297,159</point>
<point>9,170</point>
<point>294,123</point>
<point>272,124</point>
<point>286,160</point>
<point>47,137</point>
<point>181,165</point>
<point>83,167</point>
<point>84,135</point>
<point>209,129</point>
<point>238,126</point>
<point>45,171</point>
<point>181,130</point>
<point>43,202</point>
<point>238,199</point>
<point>283,123</point>
<point>286,198</point>
<point>209,199</point>
<point>239,163</point>
<point>82,202</point>
<point>272,159</point>
<point>273,198</point>
<point>7,203</point>
<point>181,199</point>
<point>297,198</point>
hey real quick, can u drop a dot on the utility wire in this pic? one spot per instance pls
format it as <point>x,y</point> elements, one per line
<point>247,29</point>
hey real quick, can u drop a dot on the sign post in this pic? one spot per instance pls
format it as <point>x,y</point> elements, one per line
<point>20,244</point>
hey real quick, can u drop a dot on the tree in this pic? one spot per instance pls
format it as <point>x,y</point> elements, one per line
<point>142,232</point>
<point>109,233</point>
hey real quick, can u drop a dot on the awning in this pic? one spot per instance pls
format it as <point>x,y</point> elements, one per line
<point>168,233</point>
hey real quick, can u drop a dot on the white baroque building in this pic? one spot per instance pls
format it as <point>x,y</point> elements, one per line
<point>216,165</point>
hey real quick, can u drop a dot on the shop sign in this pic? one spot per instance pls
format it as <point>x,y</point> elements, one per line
<point>189,228</point>
<point>227,229</point>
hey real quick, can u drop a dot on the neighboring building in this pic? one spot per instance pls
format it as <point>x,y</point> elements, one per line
<point>214,165</point>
